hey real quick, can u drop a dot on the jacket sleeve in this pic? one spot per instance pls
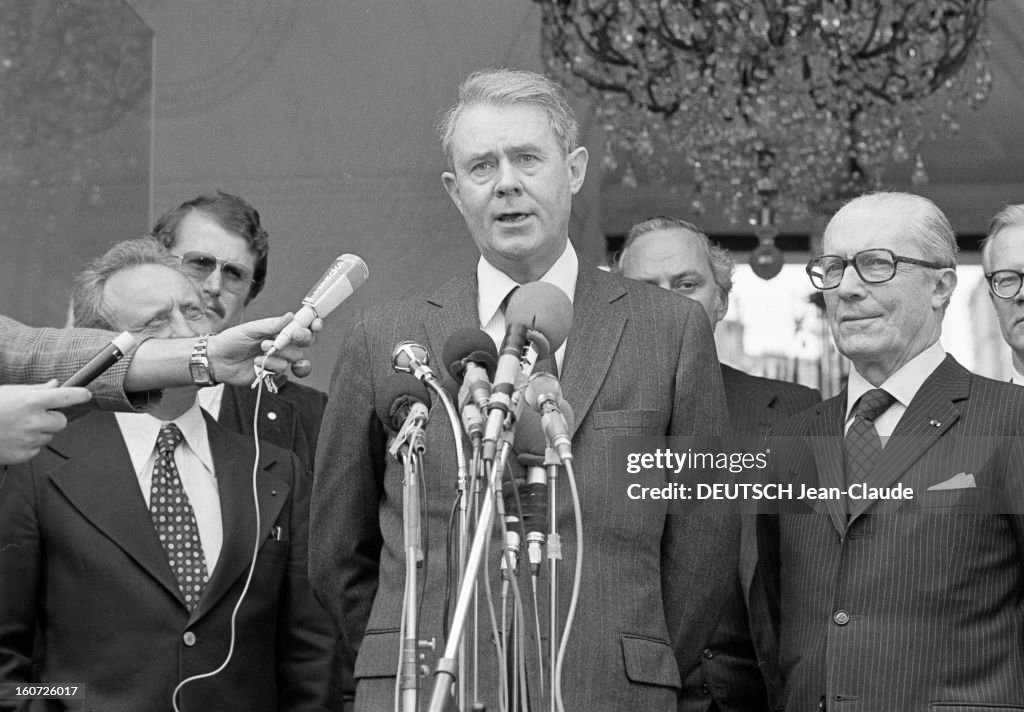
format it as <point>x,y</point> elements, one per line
<point>345,535</point>
<point>20,573</point>
<point>700,543</point>
<point>29,355</point>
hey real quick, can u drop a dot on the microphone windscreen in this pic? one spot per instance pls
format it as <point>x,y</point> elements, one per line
<point>544,308</point>
<point>469,345</point>
<point>397,395</point>
<point>529,443</point>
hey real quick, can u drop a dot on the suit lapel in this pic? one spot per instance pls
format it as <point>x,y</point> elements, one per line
<point>238,517</point>
<point>593,338</point>
<point>931,413</point>
<point>98,479</point>
<point>826,436</point>
<point>238,404</point>
<point>456,300</point>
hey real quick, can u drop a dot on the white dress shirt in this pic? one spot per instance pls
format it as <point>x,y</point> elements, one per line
<point>493,286</point>
<point>902,385</point>
<point>195,467</point>
<point>1017,377</point>
<point>210,399</point>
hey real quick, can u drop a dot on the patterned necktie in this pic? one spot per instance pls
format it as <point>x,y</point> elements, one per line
<point>174,519</point>
<point>863,446</point>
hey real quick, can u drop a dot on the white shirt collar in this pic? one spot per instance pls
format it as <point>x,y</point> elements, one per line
<point>493,284</point>
<point>1016,377</point>
<point>904,384</point>
<point>140,431</point>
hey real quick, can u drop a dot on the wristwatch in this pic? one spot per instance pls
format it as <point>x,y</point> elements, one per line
<point>199,364</point>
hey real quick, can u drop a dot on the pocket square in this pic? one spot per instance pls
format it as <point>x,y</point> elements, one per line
<point>963,480</point>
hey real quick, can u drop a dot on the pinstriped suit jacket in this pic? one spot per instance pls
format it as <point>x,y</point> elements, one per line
<point>912,605</point>
<point>640,362</point>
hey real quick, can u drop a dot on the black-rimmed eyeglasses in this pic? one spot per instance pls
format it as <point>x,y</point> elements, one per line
<point>1005,283</point>
<point>873,267</point>
<point>234,277</point>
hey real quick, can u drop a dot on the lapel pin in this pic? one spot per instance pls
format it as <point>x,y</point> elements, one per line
<point>934,423</point>
<point>271,415</point>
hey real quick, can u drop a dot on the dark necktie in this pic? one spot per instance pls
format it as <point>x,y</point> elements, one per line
<point>174,519</point>
<point>863,446</point>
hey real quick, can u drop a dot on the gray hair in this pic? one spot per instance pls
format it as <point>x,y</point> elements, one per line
<point>927,224</point>
<point>722,265</point>
<point>1009,216</point>
<point>87,305</point>
<point>504,87</point>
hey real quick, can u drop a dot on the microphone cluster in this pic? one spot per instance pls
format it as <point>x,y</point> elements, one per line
<point>491,385</point>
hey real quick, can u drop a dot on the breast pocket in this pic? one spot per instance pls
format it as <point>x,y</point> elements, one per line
<point>627,419</point>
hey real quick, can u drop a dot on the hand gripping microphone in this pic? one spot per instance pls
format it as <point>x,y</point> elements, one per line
<point>471,360</point>
<point>341,279</point>
<point>538,316</point>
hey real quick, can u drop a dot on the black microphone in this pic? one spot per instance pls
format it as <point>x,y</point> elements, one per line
<point>538,316</point>
<point>471,359</point>
<point>530,446</point>
<point>345,275</point>
<point>401,401</point>
<point>107,357</point>
<point>544,395</point>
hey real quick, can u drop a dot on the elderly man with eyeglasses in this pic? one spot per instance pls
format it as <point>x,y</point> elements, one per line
<point>1002,256</point>
<point>897,567</point>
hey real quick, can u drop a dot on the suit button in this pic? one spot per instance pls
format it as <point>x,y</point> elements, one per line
<point>841,617</point>
<point>189,638</point>
<point>708,653</point>
<point>271,415</point>
<point>705,690</point>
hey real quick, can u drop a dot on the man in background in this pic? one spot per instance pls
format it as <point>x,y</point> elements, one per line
<point>223,246</point>
<point>1002,257</point>
<point>127,542</point>
<point>889,601</point>
<point>675,255</point>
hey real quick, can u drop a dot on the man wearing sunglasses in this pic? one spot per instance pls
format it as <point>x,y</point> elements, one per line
<point>223,246</point>
<point>900,584</point>
<point>1002,256</point>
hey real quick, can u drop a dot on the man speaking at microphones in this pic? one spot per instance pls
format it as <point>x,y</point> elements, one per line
<point>637,361</point>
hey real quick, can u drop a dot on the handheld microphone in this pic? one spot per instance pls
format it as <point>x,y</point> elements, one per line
<point>539,316</point>
<point>337,284</point>
<point>107,357</point>
<point>544,395</point>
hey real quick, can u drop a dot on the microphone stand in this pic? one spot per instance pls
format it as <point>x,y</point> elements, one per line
<point>428,377</point>
<point>446,673</point>
<point>408,448</point>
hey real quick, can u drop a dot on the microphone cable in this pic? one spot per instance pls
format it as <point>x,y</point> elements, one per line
<point>578,573</point>
<point>255,552</point>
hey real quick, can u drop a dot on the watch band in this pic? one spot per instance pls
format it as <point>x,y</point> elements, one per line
<point>199,363</point>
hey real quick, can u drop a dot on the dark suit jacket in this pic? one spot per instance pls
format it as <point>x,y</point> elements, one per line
<point>81,560</point>
<point>731,673</point>
<point>914,604</point>
<point>289,418</point>
<point>639,362</point>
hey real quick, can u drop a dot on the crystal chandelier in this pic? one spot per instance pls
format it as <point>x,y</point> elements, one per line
<point>774,106</point>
